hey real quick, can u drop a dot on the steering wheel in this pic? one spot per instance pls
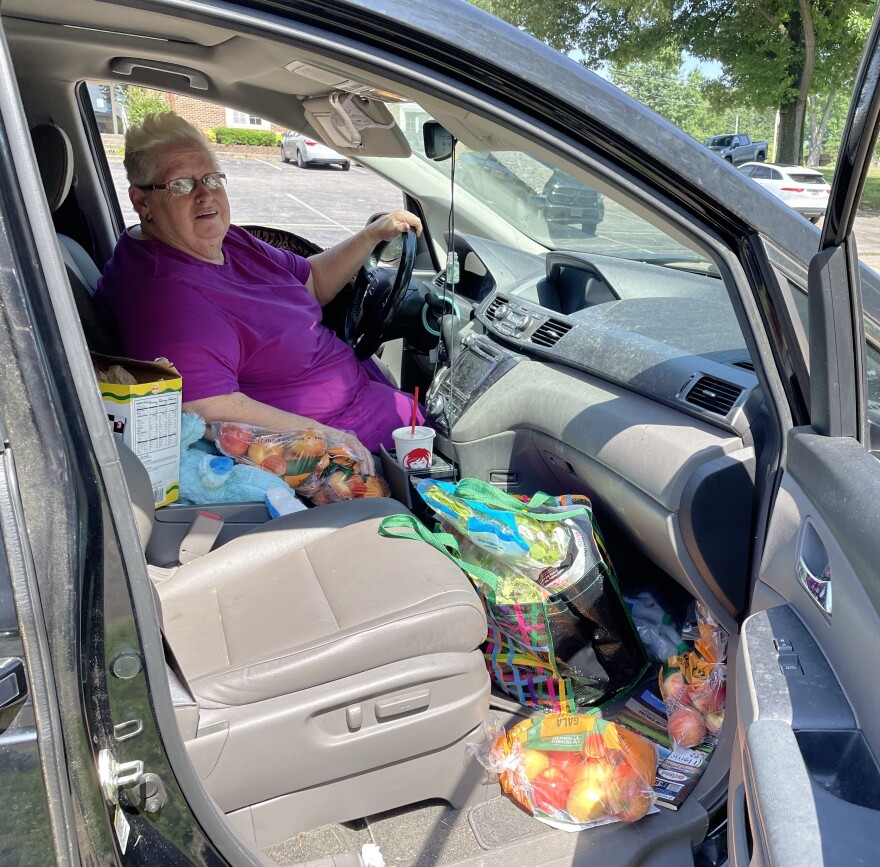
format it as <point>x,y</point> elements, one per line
<point>379,290</point>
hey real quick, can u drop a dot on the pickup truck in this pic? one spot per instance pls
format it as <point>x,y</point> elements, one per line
<point>737,148</point>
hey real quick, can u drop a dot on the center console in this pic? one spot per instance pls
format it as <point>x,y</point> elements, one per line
<point>478,365</point>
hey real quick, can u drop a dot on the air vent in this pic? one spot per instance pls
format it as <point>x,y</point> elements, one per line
<point>745,365</point>
<point>440,280</point>
<point>714,395</point>
<point>492,310</point>
<point>550,332</point>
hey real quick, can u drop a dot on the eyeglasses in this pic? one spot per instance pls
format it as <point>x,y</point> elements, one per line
<point>184,186</point>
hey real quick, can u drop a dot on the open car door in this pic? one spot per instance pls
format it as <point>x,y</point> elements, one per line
<point>804,785</point>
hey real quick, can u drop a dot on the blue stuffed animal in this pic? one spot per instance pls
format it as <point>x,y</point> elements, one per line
<point>206,476</point>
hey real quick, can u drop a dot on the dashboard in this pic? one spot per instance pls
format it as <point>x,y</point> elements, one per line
<point>651,326</point>
<point>628,380</point>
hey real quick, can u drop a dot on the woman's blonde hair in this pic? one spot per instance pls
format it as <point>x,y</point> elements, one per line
<point>144,143</point>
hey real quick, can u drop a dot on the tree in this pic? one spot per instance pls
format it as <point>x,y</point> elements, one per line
<point>141,101</point>
<point>661,85</point>
<point>773,53</point>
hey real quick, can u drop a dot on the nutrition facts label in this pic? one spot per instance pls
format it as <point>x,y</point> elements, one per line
<point>156,423</point>
<point>154,436</point>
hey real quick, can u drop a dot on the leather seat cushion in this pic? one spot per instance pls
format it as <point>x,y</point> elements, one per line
<point>311,599</point>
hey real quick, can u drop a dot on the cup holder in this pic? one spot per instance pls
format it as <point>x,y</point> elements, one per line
<point>841,763</point>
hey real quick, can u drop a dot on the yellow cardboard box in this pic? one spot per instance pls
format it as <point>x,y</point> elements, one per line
<point>145,415</point>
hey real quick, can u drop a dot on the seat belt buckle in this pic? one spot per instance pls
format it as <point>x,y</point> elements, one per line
<point>200,537</point>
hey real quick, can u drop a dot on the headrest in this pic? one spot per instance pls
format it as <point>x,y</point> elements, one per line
<point>55,159</point>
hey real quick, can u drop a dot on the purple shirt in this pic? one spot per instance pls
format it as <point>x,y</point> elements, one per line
<point>248,325</point>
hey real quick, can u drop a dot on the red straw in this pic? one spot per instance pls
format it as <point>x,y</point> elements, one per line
<point>415,410</point>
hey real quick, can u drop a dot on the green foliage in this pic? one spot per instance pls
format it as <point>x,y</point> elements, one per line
<point>681,98</point>
<point>870,200</point>
<point>772,54</point>
<point>141,101</point>
<point>254,137</point>
<point>210,135</point>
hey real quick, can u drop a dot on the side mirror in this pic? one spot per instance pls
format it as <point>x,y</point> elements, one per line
<point>439,143</point>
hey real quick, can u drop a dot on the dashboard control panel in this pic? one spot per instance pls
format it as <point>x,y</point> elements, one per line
<point>478,365</point>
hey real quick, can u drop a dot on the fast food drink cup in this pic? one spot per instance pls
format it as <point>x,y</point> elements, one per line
<point>414,452</point>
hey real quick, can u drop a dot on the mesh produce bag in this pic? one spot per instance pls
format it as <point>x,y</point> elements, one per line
<point>560,636</point>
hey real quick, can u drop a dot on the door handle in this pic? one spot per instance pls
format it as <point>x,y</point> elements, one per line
<point>813,566</point>
<point>818,587</point>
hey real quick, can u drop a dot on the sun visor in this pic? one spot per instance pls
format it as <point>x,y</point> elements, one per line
<point>353,125</point>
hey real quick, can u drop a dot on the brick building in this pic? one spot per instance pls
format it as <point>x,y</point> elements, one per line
<point>206,115</point>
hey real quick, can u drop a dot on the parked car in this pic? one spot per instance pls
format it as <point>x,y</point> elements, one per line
<point>558,199</point>
<point>310,152</point>
<point>737,148</point>
<point>308,671</point>
<point>571,203</point>
<point>485,175</point>
<point>801,188</point>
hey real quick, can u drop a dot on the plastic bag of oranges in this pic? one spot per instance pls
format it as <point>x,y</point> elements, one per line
<point>313,465</point>
<point>573,770</point>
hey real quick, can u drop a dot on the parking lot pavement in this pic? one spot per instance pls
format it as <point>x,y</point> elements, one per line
<point>326,205</point>
<point>867,232</point>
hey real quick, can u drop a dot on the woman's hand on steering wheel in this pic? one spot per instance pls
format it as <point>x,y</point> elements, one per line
<point>389,226</point>
<point>379,287</point>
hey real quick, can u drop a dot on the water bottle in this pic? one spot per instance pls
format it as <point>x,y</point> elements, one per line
<point>282,501</point>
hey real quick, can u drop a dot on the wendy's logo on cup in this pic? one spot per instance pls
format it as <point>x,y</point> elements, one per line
<point>417,459</point>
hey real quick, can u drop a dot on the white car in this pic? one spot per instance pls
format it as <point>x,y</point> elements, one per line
<point>803,189</point>
<point>307,151</point>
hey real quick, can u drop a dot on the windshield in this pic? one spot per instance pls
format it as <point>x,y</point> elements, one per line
<point>547,204</point>
<point>719,141</point>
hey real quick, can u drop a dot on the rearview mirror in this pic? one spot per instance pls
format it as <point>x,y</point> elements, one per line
<point>439,143</point>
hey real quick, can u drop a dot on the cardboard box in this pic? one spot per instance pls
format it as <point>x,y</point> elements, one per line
<point>146,417</point>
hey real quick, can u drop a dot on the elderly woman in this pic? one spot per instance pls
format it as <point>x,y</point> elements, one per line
<point>240,319</point>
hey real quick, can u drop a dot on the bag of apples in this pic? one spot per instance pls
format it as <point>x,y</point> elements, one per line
<point>313,465</point>
<point>574,770</point>
<point>694,684</point>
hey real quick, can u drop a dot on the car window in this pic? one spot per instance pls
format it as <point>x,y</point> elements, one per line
<point>806,178</point>
<point>797,279</point>
<point>762,172</point>
<point>775,175</point>
<point>318,202</point>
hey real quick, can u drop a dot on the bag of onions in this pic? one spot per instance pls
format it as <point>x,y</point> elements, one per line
<point>694,685</point>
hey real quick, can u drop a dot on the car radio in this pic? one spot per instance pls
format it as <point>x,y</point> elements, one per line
<point>475,369</point>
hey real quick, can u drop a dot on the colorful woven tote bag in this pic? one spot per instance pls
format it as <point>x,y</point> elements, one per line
<point>559,635</point>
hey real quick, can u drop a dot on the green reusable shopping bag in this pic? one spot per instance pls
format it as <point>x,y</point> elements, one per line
<point>559,637</point>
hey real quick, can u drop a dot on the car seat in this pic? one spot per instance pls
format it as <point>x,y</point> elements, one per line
<point>322,672</point>
<point>54,155</point>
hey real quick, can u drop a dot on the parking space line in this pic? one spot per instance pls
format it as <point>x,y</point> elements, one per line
<point>266,163</point>
<point>323,216</point>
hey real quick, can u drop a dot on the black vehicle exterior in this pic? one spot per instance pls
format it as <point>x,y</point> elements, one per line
<point>569,201</point>
<point>69,539</point>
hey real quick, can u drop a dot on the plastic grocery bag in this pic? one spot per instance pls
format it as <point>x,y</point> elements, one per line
<point>694,684</point>
<point>322,469</point>
<point>559,635</point>
<point>573,770</point>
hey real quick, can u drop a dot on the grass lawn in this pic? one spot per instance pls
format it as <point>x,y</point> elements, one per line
<point>871,193</point>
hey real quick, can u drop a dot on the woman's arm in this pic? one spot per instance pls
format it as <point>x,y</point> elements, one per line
<point>240,408</point>
<point>333,268</point>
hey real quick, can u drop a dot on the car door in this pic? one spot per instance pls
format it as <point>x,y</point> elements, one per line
<point>804,784</point>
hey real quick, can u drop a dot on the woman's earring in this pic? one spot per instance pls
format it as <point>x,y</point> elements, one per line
<point>148,218</point>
